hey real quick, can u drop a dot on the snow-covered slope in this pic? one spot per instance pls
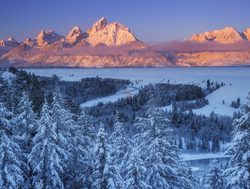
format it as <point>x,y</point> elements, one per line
<point>220,100</point>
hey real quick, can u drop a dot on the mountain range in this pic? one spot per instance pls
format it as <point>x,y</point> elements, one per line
<point>114,45</point>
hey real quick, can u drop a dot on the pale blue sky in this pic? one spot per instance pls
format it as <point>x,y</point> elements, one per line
<point>150,20</point>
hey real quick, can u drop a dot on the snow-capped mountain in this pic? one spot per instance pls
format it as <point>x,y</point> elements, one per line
<point>246,33</point>
<point>30,42</point>
<point>98,25</point>
<point>113,34</point>
<point>45,38</point>
<point>75,35</point>
<point>114,45</point>
<point>10,42</point>
<point>226,35</point>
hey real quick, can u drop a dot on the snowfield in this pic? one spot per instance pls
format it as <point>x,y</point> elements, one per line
<point>237,80</point>
<point>125,93</point>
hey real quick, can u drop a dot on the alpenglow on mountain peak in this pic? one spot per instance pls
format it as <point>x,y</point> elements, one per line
<point>226,35</point>
<point>114,45</point>
<point>100,33</point>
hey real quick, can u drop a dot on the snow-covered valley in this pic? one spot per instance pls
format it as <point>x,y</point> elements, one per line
<point>236,80</point>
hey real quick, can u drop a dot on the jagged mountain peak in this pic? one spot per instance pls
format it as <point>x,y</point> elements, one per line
<point>10,42</point>
<point>98,25</point>
<point>75,35</point>
<point>47,37</point>
<point>10,38</point>
<point>113,34</point>
<point>225,35</point>
<point>29,42</point>
<point>246,33</point>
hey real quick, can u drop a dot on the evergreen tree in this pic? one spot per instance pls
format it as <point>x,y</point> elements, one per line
<point>119,146</point>
<point>215,178</point>
<point>5,92</point>
<point>62,120</point>
<point>157,148</point>
<point>81,159</point>
<point>19,84</point>
<point>11,174</point>
<point>135,172</point>
<point>86,125</point>
<point>36,94</point>
<point>24,131</point>
<point>44,158</point>
<point>25,124</point>
<point>103,175</point>
<point>5,116</point>
<point>238,171</point>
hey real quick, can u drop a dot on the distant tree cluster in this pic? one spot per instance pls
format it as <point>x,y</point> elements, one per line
<point>236,103</point>
<point>212,86</point>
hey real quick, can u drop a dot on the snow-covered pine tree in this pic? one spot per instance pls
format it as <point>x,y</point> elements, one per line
<point>45,157</point>
<point>119,150</point>
<point>103,172</point>
<point>135,172</point>
<point>5,92</point>
<point>238,170</point>
<point>157,149</point>
<point>81,160</point>
<point>24,130</point>
<point>5,116</point>
<point>26,124</point>
<point>62,120</point>
<point>100,181</point>
<point>215,178</point>
<point>11,174</point>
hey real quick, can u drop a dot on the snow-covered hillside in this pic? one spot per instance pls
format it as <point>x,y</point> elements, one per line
<point>236,80</point>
